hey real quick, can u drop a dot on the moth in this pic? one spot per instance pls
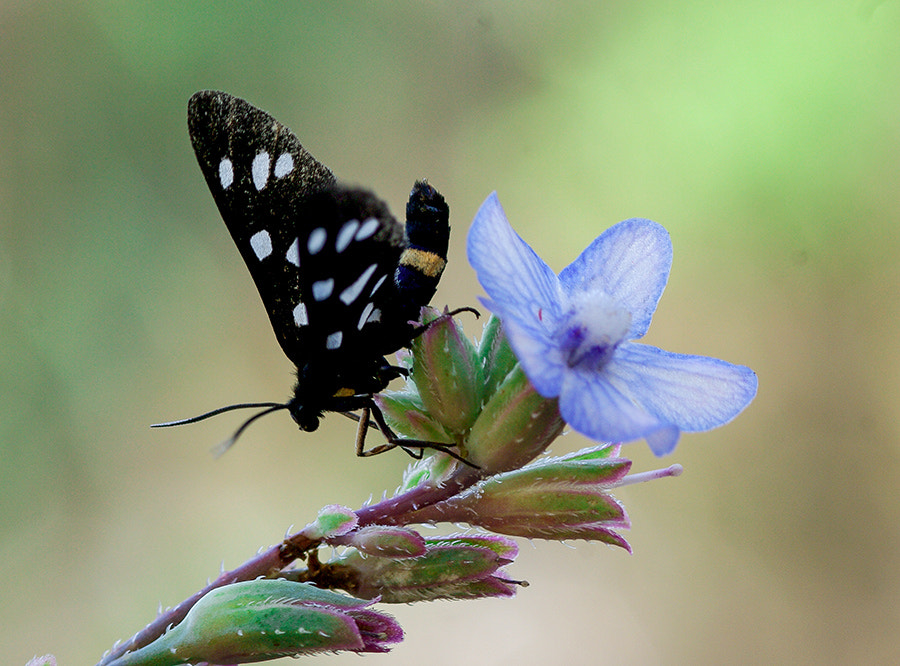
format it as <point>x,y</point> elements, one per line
<point>341,280</point>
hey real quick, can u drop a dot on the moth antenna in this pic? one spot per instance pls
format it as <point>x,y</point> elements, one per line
<point>221,410</point>
<point>217,451</point>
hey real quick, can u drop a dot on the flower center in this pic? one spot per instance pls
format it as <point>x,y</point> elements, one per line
<point>591,330</point>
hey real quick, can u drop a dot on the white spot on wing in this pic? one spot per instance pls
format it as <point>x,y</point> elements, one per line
<point>368,228</point>
<point>378,284</point>
<point>283,165</point>
<point>345,235</point>
<point>261,242</point>
<point>364,317</point>
<point>316,240</point>
<point>375,316</point>
<point>333,341</point>
<point>352,292</point>
<point>293,253</point>
<point>300,316</point>
<point>260,170</point>
<point>226,173</point>
<point>322,289</point>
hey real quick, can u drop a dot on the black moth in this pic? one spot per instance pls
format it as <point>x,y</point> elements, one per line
<point>339,277</point>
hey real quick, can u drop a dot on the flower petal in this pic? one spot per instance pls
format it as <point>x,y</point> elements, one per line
<point>629,261</point>
<point>538,354</point>
<point>692,392</point>
<point>606,412</point>
<point>508,269</point>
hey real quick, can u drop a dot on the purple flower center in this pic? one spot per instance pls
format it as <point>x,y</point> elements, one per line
<point>591,330</point>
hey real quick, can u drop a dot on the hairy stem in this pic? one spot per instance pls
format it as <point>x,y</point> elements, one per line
<point>391,511</point>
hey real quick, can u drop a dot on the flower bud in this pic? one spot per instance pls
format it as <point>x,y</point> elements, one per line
<point>405,413</point>
<point>495,355</point>
<point>265,619</point>
<point>383,541</point>
<point>433,470</point>
<point>447,373</point>
<point>515,426</point>
<point>451,568</point>
<point>554,501</point>
<point>553,498</point>
<point>333,520</point>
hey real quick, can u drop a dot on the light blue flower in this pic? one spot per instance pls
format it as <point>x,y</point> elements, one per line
<point>573,334</point>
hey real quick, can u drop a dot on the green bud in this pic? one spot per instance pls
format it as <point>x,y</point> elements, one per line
<point>553,498</point>
<point>451,568</point>
<point>603,451</point>
<point>506,549</point>
<point>406,415</point>
<point>333,520</point>
<point>447,374</point>
<point>495,356</point>
<point>265,619</point>
<point>514,427</point>
<point>384,541</point>
<point>556,498</point>
<point>431,469</point>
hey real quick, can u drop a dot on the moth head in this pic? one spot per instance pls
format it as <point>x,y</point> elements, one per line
<point>304,416</point>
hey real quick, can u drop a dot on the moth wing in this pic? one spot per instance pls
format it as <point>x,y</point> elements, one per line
<point>322,256</point>
<point>260,177</point>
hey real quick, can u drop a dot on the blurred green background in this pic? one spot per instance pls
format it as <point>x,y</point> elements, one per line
<point>765,136</point>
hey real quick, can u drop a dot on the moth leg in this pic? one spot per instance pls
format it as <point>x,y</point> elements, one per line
<point>353,416</point>
<point>415,448</point>
<point>421,328</point>
<point>363,428</point>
